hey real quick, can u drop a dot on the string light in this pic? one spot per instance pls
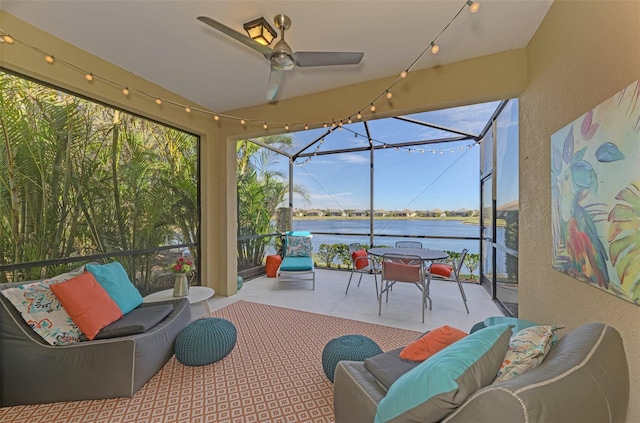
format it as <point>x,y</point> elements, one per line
<point>265,126</point>
<point>325,125</point>
<point>473,6</point>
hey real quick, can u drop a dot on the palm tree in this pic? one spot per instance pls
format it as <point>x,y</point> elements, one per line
<point>261,189</point>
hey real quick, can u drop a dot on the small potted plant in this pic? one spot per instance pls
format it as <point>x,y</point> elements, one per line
<point>182,268</point>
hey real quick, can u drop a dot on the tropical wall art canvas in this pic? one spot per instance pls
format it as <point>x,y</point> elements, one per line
<point>595,196</point>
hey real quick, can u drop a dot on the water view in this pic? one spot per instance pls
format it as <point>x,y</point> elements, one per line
<point>415,227</point>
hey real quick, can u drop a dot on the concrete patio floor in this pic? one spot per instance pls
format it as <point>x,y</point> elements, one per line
<point>402,310</point>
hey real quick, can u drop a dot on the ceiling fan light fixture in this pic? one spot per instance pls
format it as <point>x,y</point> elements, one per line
<point>260,31</point>
<point>282,61</point>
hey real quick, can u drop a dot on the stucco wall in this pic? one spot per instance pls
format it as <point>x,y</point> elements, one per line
<point>583,53</point>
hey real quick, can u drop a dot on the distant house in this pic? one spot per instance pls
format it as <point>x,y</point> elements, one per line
<point>406,213</point>
<point>335,212</point>
<point>314,212</point>
<point>460,212</point>
<point>380,213</point>
<point>436,213</point>
<point>359,213</point>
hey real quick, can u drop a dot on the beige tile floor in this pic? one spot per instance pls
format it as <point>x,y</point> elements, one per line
<point>402,310</point>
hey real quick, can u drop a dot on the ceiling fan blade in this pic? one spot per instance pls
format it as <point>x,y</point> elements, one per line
<point>264,50</point>
<point>326,58</point>
<point>275,81</point>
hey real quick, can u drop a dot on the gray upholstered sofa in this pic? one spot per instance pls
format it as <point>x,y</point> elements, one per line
<point>584,378</point>
<point>34,372</point>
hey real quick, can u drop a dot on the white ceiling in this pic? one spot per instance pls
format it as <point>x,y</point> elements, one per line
<point>161,40</point>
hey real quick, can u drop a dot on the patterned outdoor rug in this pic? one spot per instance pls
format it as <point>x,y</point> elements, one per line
<point>274,374</point>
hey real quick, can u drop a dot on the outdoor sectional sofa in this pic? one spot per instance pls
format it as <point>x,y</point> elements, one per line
<point>34,372</point>
<point>584,378</point>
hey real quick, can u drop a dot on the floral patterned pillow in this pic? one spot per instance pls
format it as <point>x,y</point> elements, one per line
<point>527,349</point>
<point>299,246</point>
<point>43,312</point>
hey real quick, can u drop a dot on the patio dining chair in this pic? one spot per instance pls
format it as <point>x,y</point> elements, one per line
<point>408,244</point>
<point>447,272</point>
<point>363,263</point>
<point>396,270</point>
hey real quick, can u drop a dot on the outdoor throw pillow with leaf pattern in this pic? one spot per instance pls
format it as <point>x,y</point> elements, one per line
<point>299,246</point>
<point>43,312</point>
<point>527,349</point>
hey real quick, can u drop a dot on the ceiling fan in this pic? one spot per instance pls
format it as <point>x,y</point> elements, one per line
<point>281,57</point>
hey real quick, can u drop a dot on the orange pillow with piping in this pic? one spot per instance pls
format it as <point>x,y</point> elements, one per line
<point>360,263</point>
<point>87,303</point>
<point>432,342</point>
<point>441,269</point>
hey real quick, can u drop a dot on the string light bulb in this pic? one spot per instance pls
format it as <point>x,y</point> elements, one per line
<point>434,48</point>
<point>349,121</point>
<point>48,58</point>
<point>265,126</point>
<point>372,108</point>
<point>125,91</point>
<point>306,126</point>
<point>216,117</point>
<point>89,76</point>
<point>359,116</point>
<point>404,74</point>
<point>389,95</point>
<point>187,109</point>
<point>474,6</point>
<point>7,39</point>
<point>158,101</point>
<point>286,126</point>
<point>242,121</point>
<point>325,125</point>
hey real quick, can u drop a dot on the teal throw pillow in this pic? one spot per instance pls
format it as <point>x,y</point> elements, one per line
<point>436,387</point>
<point>114,279</point>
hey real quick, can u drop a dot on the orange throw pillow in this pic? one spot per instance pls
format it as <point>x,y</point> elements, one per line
<point>360,263</point>
<point>441,269</point>
<point>432,342</point>
<point>87,303</point>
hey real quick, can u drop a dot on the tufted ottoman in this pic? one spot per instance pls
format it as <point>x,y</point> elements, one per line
<point>205,341</point>
<point>347,347</point>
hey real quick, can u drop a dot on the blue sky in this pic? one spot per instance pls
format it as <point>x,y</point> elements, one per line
<point>444,176</point>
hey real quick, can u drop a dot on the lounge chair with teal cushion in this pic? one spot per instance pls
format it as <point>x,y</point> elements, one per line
<point>297,263</point>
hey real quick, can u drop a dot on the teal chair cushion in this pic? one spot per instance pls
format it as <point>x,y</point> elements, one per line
<point>296,264</point>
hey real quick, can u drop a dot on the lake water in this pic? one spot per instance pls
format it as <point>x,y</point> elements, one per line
<point>416,227</point>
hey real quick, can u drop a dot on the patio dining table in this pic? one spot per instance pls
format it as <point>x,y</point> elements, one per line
<point>425,254</point>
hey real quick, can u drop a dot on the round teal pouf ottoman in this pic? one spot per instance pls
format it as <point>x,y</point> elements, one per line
<point>347,347</point>
<point>205,341</point>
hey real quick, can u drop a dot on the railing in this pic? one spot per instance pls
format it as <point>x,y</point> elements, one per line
<point>147,276</point>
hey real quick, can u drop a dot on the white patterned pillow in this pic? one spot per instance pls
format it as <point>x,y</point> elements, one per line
<point>43,312</point>
<point>299,246</point>
<point>527,349</point>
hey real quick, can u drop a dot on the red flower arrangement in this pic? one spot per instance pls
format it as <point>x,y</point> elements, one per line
<point>182,265</point>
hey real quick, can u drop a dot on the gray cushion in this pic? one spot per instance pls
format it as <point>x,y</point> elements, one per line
<point>138,320</point>
<point>388,367</point>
